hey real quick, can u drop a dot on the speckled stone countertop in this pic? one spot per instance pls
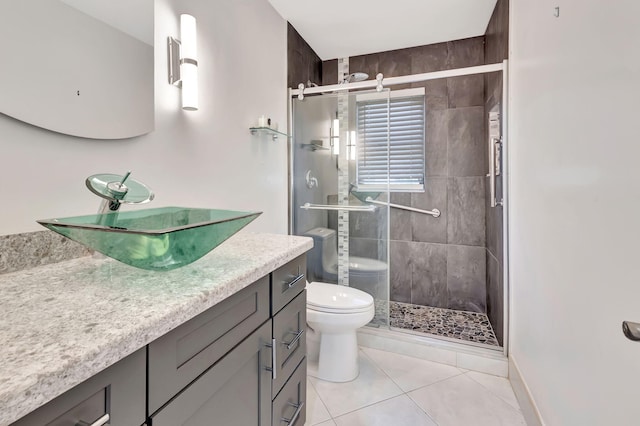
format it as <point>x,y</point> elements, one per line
<point>62,323</point>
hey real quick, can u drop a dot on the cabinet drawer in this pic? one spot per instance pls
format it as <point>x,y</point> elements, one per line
<point>287,281</point>
<point>118,391</point>
<point>235,391</point>
<point>180,356</point>
<point>289,326</point>
<point>289,407</point>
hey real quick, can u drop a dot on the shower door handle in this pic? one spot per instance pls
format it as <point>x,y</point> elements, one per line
<point>495,149</point>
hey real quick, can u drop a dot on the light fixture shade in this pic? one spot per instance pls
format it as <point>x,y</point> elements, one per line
<point>189,62</point>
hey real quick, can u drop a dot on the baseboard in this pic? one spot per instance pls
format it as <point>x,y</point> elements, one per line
<point>527,403</point>
<point>458,355</point>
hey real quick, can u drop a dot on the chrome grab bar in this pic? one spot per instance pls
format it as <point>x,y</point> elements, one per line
<point>292,420</point>
<point>309,206</point>
<point>434,212</point>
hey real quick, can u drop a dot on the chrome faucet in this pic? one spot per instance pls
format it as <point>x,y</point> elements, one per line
<point>113,191</point>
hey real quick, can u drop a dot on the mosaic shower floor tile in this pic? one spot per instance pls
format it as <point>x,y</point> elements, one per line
<point>463,325</point>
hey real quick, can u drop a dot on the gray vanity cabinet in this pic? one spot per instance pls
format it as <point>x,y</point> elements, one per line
<point>235,391</point>
<point>240,363</point>
<point>118,392</point>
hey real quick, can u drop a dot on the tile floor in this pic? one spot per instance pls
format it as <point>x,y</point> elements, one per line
<point>398,390</point>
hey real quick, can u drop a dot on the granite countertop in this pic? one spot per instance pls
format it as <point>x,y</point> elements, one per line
<point>62,323</point>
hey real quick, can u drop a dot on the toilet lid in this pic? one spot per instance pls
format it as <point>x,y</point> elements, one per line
<point>337,298</point>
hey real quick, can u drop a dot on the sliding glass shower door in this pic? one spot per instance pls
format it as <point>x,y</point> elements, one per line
<point>340,191</point>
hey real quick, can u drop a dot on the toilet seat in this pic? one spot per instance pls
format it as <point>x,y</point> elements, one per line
<point>337,299</point>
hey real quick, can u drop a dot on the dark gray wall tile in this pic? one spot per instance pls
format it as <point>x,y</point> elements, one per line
<point>436,95</point>
<point>394,63</point>
<point>364,247</point>
<point>436,142</point>
<point>496,46</point>
<point>466,154</point>
<point>466,91</point>
<point>429,277</point>
<point>432,57</point>
<point>367,224</point>
<point>400,271</point>
<point>424,227</point>
<point>495,296</point>
<point>494,223</point>
<point>303,64</point>
<point>400,220</point>
<point>467,52</point>
<point>330,72</point>
<point>466,278</point>
<point>466,211</point>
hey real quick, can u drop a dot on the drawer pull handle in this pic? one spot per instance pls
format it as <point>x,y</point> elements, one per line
<point>273,359</point>
<point>101,421</point>
<point>295,340</point>
<point>295,280</point>
<point>292,420</point>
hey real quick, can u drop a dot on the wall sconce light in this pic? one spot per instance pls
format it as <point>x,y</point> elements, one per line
<point>183,63</point>
<point>335,137</point>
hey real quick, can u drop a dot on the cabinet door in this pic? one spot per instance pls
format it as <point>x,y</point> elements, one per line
<point>118,391</point>
<point>180,356</point>
<point>289,407</point>
<point>235,391</point>
<point>289,326</point>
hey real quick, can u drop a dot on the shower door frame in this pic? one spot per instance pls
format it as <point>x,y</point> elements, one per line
<point>379,83</point>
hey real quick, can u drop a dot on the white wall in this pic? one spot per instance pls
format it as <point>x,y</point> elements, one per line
<point>198,159</point>
<point>575,207</point>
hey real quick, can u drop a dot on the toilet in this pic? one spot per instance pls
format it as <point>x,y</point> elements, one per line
<point>334,313</point>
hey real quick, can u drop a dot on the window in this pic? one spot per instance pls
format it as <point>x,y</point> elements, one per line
<point>403,159</point>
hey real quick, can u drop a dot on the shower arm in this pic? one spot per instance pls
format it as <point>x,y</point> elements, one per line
<point>434,212</point>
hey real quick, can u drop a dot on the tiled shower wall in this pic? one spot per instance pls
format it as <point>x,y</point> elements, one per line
<point>303,64</point>
<point>496,50</point>
<point>441,261</point>
<point>454,261</point>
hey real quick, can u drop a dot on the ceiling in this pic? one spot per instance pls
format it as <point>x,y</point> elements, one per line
<point>336,29</point>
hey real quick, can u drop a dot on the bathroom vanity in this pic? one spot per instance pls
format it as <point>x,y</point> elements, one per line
<point>222,340</point>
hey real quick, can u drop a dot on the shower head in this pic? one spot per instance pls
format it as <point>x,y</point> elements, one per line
<point>356,76</point>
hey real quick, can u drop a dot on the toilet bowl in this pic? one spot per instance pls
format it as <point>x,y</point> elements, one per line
<point>334,313</point>
<point>366,274</point>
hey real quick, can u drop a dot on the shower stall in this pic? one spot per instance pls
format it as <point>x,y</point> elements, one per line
<point>359,160</point>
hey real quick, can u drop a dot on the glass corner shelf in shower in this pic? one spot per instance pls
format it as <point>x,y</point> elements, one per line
<point>267,131</point>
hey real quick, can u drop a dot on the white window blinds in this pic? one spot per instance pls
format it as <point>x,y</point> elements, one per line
<point>401,122</point>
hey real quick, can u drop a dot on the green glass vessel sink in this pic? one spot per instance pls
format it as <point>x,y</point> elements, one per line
<point>157,239</point>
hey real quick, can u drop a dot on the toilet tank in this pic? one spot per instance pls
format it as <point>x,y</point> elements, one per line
<point>323,258</point>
